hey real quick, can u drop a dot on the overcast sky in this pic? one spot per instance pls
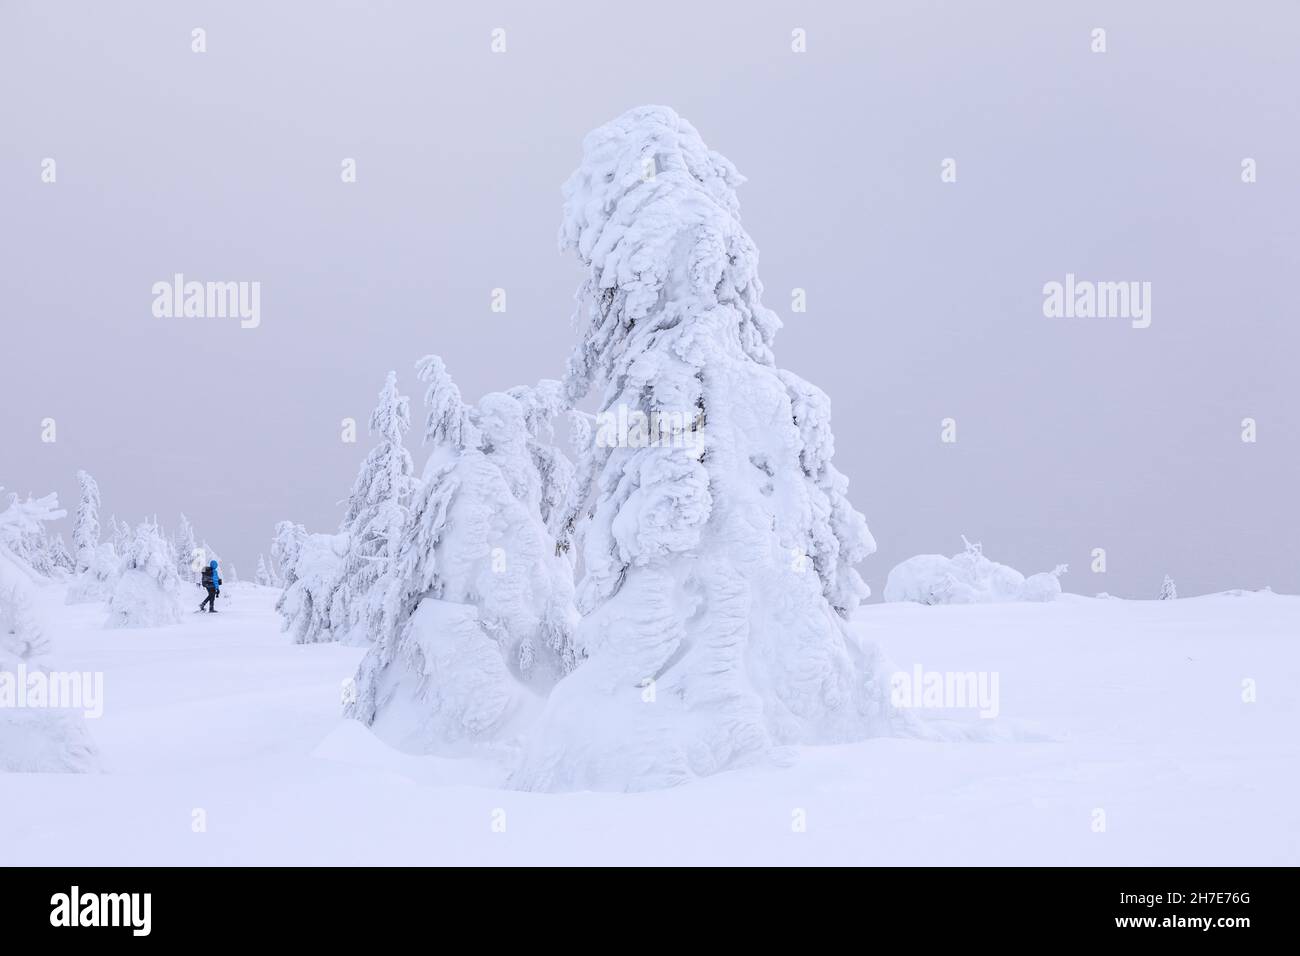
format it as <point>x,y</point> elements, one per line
<point>924,297</point>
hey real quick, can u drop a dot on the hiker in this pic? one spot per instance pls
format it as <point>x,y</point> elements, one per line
<point>212,582</point>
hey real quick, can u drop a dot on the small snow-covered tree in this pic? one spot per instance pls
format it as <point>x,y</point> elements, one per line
<point>377,515</point>
<point>32,739</point>
<point>286,545</point>
<point>186,546</point>
<point>263,575</point>
<point>1168,590</point>
<point>121,536</point>
<point>314,567</point>
<point>719,545</point>
<point>146,589</point>
<point>476,615</point>
<point>85,536</point>
<point>60,557</point>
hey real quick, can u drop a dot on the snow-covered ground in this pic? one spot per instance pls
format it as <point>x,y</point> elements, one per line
<point>1131,708</point>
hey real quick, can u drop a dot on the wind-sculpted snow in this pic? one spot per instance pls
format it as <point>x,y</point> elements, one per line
<point>968,578</point>
<point>718,563</point>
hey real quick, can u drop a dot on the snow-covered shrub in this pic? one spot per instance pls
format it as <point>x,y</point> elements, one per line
<point>477,613</point>
<point>377,516</point>
<point>32,739</point>
<point>314,567</point>
<point>718,555</point>
<point>968,578</point>
<point>146,589</point>
<point>1168,590</point>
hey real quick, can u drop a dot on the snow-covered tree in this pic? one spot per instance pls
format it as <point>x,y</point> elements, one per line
<point>968,578</point>
<point>719,546</point>
<point>121,536</point>
<point>85,536</point>
<point>477,616</point>
<point>1168,590</point>
<point>60,557</point>
<point>286,545</point>
<point>186,546</point>
<point>32,739</point>
<point>263,574</point>
<point>377,515</point>
<point>146,589</point>
<point>314,567</point>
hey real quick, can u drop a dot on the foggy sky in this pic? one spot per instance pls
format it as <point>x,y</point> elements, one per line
<point>924,298</point>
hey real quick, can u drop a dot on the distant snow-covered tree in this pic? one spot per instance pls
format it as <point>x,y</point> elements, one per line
<point>1168,590</point>
<point>477,615</point>
<point>60,557</point>
<point>146,589</point>
<point>85,536</point>
<point>719,545</point>
<point>377,515</point>
<point>263,575</point>
<point>121,535</point>
<point>186,546</point>
<point>968,578</point>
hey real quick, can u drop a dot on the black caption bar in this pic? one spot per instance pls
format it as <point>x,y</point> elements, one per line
<point>341,906</point>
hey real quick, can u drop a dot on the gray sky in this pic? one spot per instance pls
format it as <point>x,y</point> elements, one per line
<point>924,298</point>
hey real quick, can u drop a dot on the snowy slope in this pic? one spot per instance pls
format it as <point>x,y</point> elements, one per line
<point>1137,706</point>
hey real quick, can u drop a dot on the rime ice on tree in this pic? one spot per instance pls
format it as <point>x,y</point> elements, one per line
<point>718,572</point>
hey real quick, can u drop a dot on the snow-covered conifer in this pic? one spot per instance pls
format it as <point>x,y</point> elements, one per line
<point>85,536</point>
<point>146,589</point>
<point>314,565</point>
<point>719,551</point>
<point>377,515</point>
<point>263,575</point>
<point>60,557</point>
<point>1168,590</point>
<point>186,546</point>
<point>477,612</point>
<point>121,536</point>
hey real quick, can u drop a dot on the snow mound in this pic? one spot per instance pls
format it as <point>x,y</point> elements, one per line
<point>968,578</point>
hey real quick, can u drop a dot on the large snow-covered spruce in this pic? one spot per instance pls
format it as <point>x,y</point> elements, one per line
<point>477,610</point>
<point>718,554</point>
<point>32,739</point>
